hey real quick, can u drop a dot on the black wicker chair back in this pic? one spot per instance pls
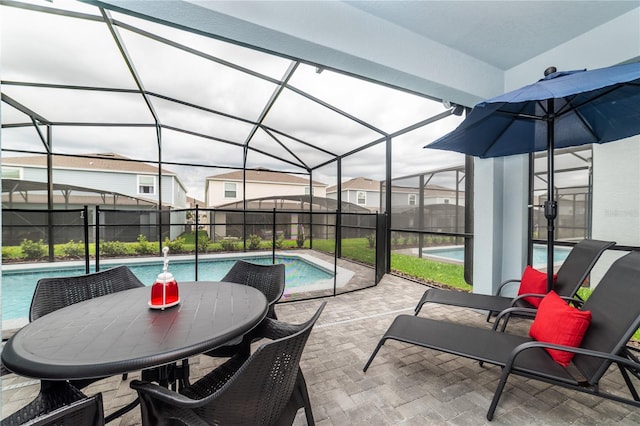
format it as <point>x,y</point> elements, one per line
<point>261,390</point>
<point>52,294</point>
<point>59,403</point>
<point>269,279</point>
<point>86,412</point>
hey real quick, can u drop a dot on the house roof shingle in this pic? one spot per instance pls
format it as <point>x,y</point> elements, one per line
<point>100,161</point>
<point>360,183</point>
<point>264,176</point>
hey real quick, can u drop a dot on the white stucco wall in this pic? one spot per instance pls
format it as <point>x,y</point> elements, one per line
<point>256,190</point>
<point>616,198</point>
<point>500,215</point>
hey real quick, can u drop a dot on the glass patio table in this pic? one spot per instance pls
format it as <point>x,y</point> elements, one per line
<point>119,333</point>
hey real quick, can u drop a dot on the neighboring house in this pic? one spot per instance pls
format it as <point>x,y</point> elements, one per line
<point>265,190</point>
<point>367,193</point>
<point>108,180</point>
<point>433,194</point>
<point>228,187</point>
<point>443,208</point>
<point>360,191</point>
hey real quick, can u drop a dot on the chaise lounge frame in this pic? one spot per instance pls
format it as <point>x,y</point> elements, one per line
<point>615,317</point>
<point>571,275</point>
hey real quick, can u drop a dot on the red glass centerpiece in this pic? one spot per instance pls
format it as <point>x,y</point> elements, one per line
<point>164,291</point>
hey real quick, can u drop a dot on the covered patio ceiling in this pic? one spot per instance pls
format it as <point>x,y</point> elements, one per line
<point>461,51</point>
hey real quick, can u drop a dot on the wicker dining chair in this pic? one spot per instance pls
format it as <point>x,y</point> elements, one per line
<point>264,389</point>
<point>52,294</point>
<point>269,279</point>
<point>59,403</point>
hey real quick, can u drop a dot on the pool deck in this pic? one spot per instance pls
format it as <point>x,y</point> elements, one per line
<point>405,385</point>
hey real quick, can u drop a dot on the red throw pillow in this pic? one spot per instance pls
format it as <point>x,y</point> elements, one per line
<point>557,322</point>
<point>533,282</point>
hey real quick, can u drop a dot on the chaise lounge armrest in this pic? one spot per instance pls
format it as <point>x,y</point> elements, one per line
<point>576,350</point>
<point>503,284</point>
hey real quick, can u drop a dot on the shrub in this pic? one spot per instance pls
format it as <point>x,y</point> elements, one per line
<point>280,242</point>
<point>371,238</point>
<point>203,242</point>
<point>112,248</point>
<point>301,238</point>
<point>175,246</point>
<point>144,246</point>
<point>33,250</point>
<point>228,244</point>
<point>254,242</point>
<point>73,250</point>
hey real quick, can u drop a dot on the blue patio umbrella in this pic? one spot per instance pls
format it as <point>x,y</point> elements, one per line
<point>565,108</point>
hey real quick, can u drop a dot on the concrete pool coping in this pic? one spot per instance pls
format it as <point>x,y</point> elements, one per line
<point>426,254</point>
<point>342,275</point>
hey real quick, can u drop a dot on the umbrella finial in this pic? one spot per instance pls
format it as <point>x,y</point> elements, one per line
<point>550,70</point>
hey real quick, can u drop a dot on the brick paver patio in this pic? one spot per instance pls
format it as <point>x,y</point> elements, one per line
<point>405,385</point>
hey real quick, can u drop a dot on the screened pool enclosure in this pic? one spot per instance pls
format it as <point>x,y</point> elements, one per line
<point>114,128</point>
<point>112,125</point>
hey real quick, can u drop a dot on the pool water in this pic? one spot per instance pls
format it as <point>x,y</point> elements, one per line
<point>539,254</point>
<point>18,286</point>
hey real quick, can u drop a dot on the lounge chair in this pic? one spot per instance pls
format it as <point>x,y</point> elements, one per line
<point>571,275</point>
<point>615,315</point>
<point>264,389</point>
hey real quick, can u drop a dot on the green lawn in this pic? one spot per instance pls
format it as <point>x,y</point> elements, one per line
<point>439,273</point>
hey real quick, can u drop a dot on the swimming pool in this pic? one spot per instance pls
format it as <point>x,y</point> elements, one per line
<point>456,253</point>
<point>302,273</point>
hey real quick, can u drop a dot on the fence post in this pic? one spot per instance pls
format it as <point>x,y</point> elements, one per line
<point>50,234</point>
<point>273,237</point>
<point>338,233</point>
<point>97,238</point>
<point>85,220</point>
<point>196,238</point>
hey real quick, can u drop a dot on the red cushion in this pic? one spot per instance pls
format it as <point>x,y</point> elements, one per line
<point>557,322</point>
<point>533,282</point>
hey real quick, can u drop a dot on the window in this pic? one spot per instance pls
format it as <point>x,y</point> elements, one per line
<point>11,173</point>
<point>361,198</point>
<point>446,201</point>
<point>230,190</point>
<point>146,185</point>
<point>306,190</point>
<point>412,199</point>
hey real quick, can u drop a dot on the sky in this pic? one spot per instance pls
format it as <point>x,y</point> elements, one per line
<point>46,48</point>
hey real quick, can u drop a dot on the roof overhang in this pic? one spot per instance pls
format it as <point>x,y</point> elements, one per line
<point>479,48</point>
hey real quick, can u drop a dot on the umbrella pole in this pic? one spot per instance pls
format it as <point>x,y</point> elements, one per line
<point>550,206</point>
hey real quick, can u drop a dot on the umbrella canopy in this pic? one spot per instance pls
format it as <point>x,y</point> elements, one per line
<point>565,108</point>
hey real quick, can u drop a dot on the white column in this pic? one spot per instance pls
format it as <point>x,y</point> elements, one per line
<point>616,198</point>
<point>500,215</point>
